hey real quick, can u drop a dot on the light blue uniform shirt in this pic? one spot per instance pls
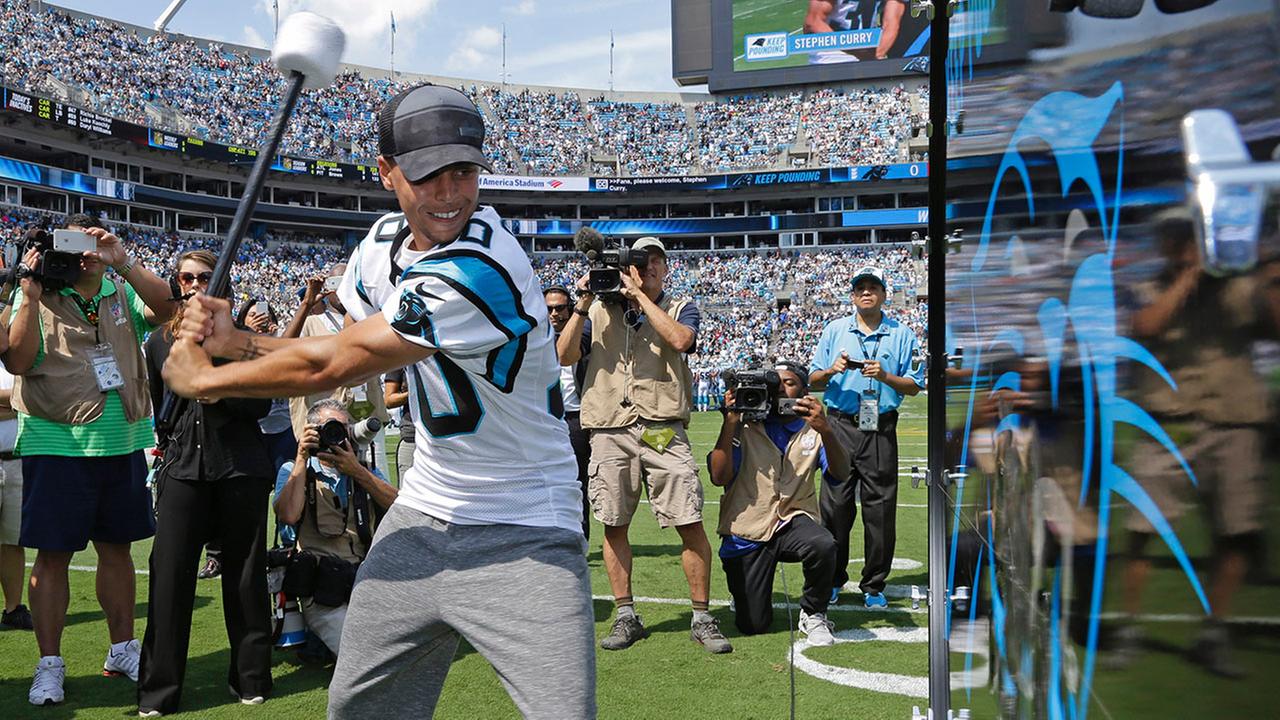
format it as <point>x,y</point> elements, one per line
<point>893,344</point>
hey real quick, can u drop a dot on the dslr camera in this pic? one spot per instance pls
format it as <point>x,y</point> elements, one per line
<point>757,393</point>
<point>60,256</point>
<point>335,434</point>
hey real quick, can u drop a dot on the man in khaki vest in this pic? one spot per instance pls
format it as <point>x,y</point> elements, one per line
<point>361,400</point>
<point>769,513</point>
<point>84,417</point>
<point>636,399</point>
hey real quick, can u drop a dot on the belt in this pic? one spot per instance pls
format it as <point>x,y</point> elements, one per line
<point>572,413</point>
<point>8,455</point>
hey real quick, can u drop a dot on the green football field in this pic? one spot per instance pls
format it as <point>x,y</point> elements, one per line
<point>664,676</point>
<point>667,676</point>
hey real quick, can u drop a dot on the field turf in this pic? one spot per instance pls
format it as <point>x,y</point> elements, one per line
<point>665,676</point>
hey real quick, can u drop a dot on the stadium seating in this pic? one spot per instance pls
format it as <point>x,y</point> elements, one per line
<point>206,90</point>
<point>737,292</point>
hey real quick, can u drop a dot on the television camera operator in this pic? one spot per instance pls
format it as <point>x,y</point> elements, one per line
<point>75,347</point>
<point>211,487</point>
<point>328,498</point>
<point>636,400</point>
<point>773,438</point>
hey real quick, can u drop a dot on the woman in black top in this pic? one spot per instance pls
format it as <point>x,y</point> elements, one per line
<point>212,485</point>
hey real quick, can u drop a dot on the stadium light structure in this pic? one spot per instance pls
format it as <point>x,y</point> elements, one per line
<point>162,22</point>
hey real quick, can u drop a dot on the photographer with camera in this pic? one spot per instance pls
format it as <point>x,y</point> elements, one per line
<point>363,399</point>
<point>636,401</point>
<point>327,497</point>
<point>211,487</point>
<point>75,347</point>
<point>774,436</point>
<point>864,361</point>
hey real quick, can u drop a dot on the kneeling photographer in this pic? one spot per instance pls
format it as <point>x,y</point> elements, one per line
<point>773,438</point>
<point>327,497</point>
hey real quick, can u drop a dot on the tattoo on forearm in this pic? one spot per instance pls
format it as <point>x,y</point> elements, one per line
<point>252,349</point>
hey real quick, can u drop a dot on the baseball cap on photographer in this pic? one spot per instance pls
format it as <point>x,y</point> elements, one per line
<point>651,244</point>
<point>429,127</point>
<point>869,271</point>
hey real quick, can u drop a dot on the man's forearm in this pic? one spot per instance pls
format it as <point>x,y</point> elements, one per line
<point>292,498</point>
<point>154,291</point>
<point>818,380</point>
<point>292,368</point>
<point>24,343</point>
<point>569,344</point>
<point>382,493</point>
<point>248,345</point>
<point>838,462</point>
<point>721,459</point>
<point>299,318</point>
<point>903,385</point>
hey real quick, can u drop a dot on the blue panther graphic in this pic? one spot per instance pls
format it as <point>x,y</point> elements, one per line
<point>1069,124</point>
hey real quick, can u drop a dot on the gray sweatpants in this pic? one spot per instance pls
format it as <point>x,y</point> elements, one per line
<point>520,595</point>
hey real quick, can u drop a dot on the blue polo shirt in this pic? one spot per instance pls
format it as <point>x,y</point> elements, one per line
<point>893,344</point>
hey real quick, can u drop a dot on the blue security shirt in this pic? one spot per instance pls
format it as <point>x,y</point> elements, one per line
<point>732,546</point>
<point>893,344</point>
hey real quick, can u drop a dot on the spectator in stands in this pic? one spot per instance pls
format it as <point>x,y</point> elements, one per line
<point>635,350</point>
<point>769,513</point>
<point>81,440</point>
<point>211,485</point>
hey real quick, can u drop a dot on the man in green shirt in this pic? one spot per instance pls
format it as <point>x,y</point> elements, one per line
<point>84,420</point>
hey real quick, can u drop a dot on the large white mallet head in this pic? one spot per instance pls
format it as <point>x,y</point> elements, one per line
<point>312,45</point>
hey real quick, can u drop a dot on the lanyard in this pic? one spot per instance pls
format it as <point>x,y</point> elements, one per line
<point>90,311</point>
<point>876,348</point>
<point>334,325</point>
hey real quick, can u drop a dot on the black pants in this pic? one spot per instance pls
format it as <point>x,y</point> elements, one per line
<point>189,514</point>
<point>750,577</point>
<point>581,441</point>
<point>873,479</point>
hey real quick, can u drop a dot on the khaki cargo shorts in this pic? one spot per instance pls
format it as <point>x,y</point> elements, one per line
<point>621,461</point>
<point>1229,488</point>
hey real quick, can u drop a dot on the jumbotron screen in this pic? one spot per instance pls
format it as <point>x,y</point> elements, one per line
<point>826,40</point>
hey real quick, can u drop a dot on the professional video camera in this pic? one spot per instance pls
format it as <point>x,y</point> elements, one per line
<point>756,393</point>
<point>60,256</point>
<point>335,434</point>
<point>604,278</point>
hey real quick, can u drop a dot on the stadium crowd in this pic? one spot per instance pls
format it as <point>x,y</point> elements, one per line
<point>198,87</point>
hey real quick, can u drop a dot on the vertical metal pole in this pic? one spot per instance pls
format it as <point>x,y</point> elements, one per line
<point>939,597</point>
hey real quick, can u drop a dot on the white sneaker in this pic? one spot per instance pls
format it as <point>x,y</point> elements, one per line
<point>46,686</point>
<point>123,662</point>
<point>255,700</point>
<point>817,629</point>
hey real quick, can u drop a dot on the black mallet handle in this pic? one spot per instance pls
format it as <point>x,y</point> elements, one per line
<point>220,284</point>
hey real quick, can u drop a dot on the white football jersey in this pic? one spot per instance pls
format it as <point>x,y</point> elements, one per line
<point>368,281</point>
<point>492,445</point>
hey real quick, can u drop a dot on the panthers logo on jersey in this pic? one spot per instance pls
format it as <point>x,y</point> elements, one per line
<point>412,317</point>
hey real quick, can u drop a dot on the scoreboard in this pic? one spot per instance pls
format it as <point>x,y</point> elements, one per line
<point>72,116</point>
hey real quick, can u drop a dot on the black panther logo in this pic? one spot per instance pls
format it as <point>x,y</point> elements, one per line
<point>412,317</point>
<point>876,173</point>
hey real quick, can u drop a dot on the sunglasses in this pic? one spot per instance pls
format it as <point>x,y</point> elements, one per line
<point>559,308</point>
<point>190,278</point>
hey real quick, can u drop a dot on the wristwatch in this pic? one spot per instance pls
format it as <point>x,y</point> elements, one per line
<point>580,311</point>
<point>127,268</point>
